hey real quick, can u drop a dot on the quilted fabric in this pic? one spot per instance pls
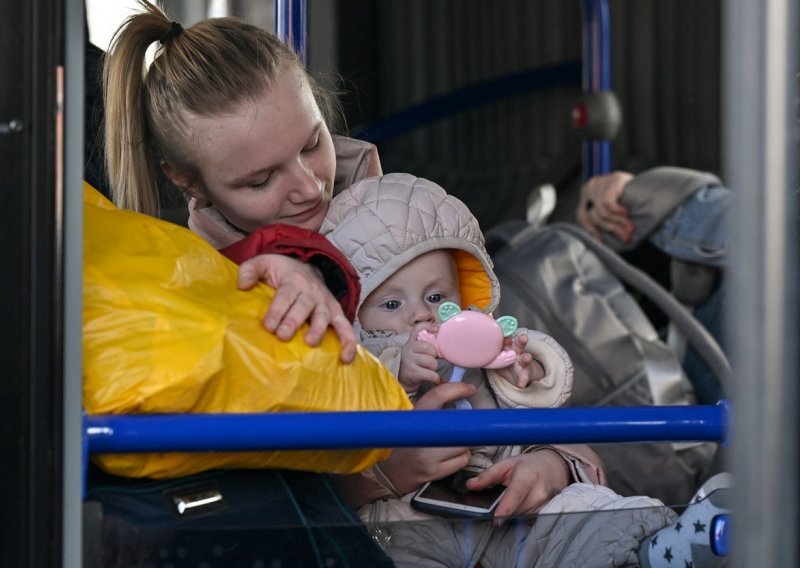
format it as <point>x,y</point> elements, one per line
<point>384,230</point>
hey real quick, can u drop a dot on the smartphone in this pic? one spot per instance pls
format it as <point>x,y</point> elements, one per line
<point>448,496</point>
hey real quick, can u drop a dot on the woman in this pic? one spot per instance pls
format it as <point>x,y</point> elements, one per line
<point>227,115</point>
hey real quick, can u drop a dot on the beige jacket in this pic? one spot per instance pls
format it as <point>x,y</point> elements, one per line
<point>381,224</point>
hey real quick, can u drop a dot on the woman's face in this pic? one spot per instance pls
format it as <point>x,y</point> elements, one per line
<point>270,160</point>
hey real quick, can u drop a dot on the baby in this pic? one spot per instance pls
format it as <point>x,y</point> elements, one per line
<point>415,248</point>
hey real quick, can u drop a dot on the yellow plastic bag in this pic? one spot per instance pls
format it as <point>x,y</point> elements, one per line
<point>165,330</point>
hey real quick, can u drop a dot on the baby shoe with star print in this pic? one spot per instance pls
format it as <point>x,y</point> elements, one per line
<point>688,543</point>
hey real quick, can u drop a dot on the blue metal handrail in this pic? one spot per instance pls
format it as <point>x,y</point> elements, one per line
<point>596,77</point>
<point>291,26</point>
<point>567,73</point>
<point>392,429</point>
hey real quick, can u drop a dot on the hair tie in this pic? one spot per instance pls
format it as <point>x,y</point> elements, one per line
<point>173,32</point>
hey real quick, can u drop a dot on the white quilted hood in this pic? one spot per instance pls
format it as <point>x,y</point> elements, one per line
<point>382,223</point>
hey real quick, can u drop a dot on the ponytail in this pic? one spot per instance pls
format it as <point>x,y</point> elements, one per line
<point>132,172</point>
<point>206,69</point>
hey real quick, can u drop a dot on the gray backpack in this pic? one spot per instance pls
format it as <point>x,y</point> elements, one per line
<point>559,280</point>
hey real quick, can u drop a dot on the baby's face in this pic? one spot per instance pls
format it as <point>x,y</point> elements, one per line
<point>413,294</point>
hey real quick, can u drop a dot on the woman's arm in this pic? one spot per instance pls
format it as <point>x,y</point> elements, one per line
<point>313,282</point>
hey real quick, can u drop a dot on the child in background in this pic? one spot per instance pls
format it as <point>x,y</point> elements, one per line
<point>414,248</point>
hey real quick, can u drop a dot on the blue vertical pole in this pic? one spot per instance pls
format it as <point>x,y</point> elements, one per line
<point>291,25</point>
<point>596,77</point>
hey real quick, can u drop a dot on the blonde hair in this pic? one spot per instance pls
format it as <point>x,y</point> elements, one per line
<point>206,69</point>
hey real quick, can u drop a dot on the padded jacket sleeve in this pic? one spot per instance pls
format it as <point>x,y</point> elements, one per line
<point>307,246</point>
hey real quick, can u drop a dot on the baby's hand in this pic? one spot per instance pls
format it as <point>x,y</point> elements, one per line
<point>418,362</point>
<point>525,369</point>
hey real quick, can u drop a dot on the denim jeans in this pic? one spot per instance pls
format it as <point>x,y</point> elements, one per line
<point>707,387</point>
<point>697,230</point>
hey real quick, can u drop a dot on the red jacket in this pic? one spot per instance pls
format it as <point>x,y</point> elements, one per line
<point>307,246</point>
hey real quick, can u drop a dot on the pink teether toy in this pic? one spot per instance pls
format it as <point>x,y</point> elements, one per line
<point>472,339</point>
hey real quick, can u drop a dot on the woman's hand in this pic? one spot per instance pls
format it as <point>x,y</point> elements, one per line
<point>599,208</point>
<point>300,296</point>
<point>409,468</point>
<point>532,480</point>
